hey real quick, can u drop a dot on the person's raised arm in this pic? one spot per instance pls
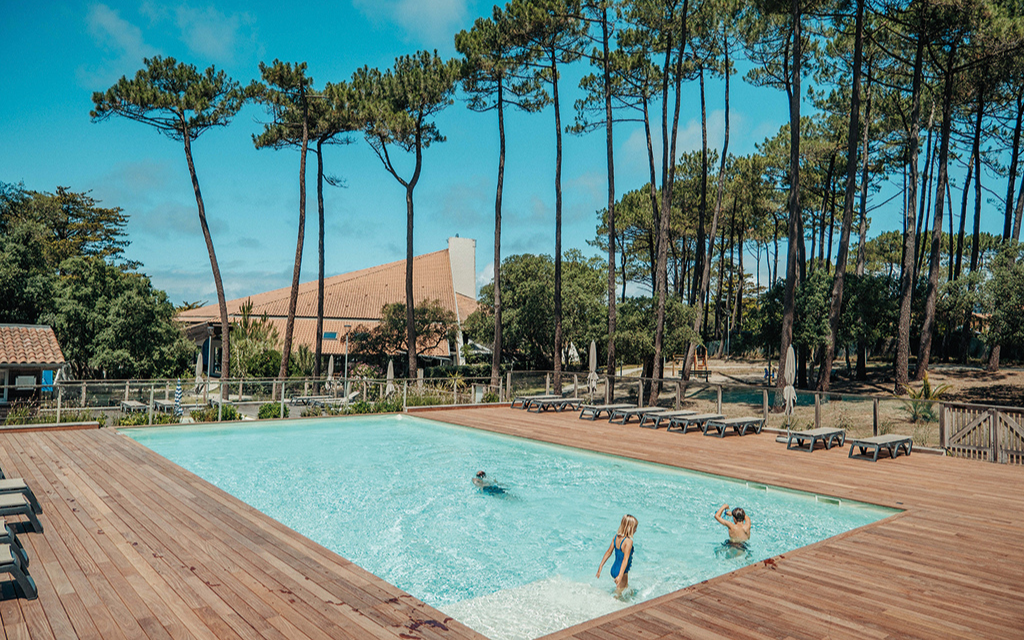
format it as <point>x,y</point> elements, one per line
<point>607,554</point>
<point>718,515</point>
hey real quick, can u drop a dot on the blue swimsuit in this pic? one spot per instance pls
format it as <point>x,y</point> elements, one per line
<point>617,564</point>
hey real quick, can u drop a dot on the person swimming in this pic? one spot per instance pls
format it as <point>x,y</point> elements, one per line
<point>622,547</point>
<point>486,485</point>
<point>739,529</point>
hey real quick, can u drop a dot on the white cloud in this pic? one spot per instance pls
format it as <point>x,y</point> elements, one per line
<point>206,31</point>
<point>486,276</point>
<point>428,22</point>
<point>122,41</point>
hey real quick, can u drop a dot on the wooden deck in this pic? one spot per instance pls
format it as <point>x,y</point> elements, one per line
<point>136,547</point>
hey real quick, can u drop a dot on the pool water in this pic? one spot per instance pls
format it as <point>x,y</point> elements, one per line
<point>394,495</point>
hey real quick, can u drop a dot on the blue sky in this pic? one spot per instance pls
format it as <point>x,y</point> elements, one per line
<point>57,53</point>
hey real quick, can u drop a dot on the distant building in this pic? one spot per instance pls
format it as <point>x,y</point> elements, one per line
<point>29,357</point>
<point>353,299</point>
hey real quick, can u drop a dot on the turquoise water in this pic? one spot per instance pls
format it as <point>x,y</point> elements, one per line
<point>394,495</point>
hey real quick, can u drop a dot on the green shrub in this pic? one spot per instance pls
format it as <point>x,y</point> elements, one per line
<point>139,419</point>
<point>272,410</point>
<point>19,414</point>
<point>311,412</point>
<point>490,397</point>
<point>209,414</point>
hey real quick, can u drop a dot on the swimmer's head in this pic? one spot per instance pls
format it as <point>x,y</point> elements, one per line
<point>480,474</point>
<point>628,526</point>
<point>739,515</point>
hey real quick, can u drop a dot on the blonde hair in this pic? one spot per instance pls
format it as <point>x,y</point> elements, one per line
<point>627,527</point>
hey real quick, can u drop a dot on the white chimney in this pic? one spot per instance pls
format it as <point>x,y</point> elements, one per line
<point>462,256</point>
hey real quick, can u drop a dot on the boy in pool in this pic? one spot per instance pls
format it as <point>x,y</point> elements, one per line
<point>486,485</point>
<point>622,545</point>
<point>739,529</point>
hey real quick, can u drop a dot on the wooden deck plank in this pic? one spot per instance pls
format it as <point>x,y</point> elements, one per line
<point>136,546</point>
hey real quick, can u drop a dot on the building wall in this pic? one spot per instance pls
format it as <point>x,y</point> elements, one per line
<point>462,255</point>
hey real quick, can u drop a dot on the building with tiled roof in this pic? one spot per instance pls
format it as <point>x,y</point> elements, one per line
<point>355,299</point>
<point>29,354</point>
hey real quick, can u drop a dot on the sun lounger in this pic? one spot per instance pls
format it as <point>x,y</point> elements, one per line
<point>594,411</point>
<point>891,443</point>
<point>658,417</point>
<point>133,406</point>
<point>11,563</point>
<point>307,400</point>
<point>524,401</point>
<point>698,420</point>
<point>7,537</point>
<point>167,406</point>
<point>827,436</point>
<point>740,425</point>
<point>16,504</point>
<point>558,404</point>
<point>17,485</point>
<point>623,416</point>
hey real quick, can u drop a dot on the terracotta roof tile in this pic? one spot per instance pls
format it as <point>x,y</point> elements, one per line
<point>29,344</point>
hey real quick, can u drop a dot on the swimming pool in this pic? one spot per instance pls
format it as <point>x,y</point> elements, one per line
<point>394,495</point>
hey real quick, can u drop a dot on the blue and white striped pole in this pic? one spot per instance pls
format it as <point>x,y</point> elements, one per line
<point>177,398</point>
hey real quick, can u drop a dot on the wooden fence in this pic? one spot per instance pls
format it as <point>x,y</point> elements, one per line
<point>979,432</point>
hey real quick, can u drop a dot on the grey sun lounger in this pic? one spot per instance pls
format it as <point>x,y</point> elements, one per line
<point>890,442</point>
<point>594,411</point>
<point>17,485</point>
<point>11,563</point>
<point>7,537</point>
<point>658,417</point>
<point>740,425</point>
<point>167,406</point>
<point>623,416</point>
<point>698,420</point>
<point>558,404</point>
<point>133,406</point>
<point>16,504</point>
<point>307,400</point>
<point>827,436</point>
<point>523,402</point>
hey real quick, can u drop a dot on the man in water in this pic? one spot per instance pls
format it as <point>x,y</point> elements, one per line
<point>739,529</point>
<point>486,485</point>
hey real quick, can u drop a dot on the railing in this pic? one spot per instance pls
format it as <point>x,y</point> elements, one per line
<point>973,431</point>
<point>981,432</point>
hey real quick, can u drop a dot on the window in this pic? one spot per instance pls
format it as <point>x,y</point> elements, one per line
<point>330,335</point>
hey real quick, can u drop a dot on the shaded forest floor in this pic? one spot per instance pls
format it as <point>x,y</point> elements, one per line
<point>966,383</point>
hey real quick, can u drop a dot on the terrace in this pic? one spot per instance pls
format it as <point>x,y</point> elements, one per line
<point>136,546</point>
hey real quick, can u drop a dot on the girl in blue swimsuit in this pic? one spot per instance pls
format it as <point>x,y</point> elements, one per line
<point>622,547</point>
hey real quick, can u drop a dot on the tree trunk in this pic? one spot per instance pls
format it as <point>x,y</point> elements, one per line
<point>558,223</point>
<point>795,211</point>
<point>963,218</point>
<point>609,152</point>
<point>1014,158</point>
<point>702,208</point>
<point>320,257</point>
<point>928,324</point>
<point>496,347</point>
<point>965,339</point>
<point>293,297</point>
<point>923,213</point>
<point>225,326</point>
<point>828,355</point>
<point>902,373</point>
<point>410,298</point>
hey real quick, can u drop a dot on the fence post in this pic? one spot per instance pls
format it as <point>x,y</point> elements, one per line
<point>575,386</point>
<point>83,394</point>
<point>419,380</point>
<point>282,399</point>
<point>455,392</point>
<point>127,390</point>
<point>150,405</point>
<point>405,396</point>
<point>609,390</point>
<point>679,395</point>
<point>817,411</point>
<point>942,425</point>
<point>718,389</point>
<point>547,384</point>
<point>60,393</point>
<point>640,393</point>
<point>994,435</point>
<point>508,386</point>
<point>167,390</point>
<point>874,417</point>
<point>764,406</point>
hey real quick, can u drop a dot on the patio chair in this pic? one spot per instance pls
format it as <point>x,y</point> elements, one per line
<point>657,417</point>
<point>594,411</point>
<point>18,485</point>
<point>892,443</point>
<point>827,436</point>
<point>739,425</point>
<point>16,504</point>
<point>11,563</point>
<point>698,420</point>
